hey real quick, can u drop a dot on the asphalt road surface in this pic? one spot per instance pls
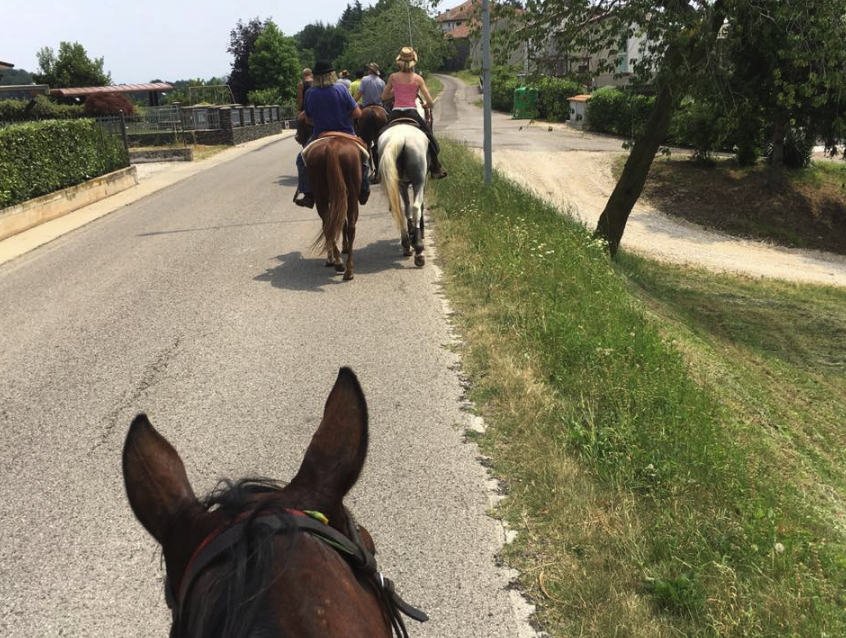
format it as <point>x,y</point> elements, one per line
<point>201,305</point>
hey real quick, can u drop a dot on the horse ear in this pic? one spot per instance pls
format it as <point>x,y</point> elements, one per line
<point>336,454</point>
<point>155,478</point>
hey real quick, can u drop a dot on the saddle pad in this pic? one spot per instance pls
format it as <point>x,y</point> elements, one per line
<point>406,121</point>
<point>329,134</point>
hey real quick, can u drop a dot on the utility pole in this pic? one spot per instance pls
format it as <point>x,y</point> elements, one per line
<point>486,82</point>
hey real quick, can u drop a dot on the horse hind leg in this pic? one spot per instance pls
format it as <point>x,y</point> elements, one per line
<point>416,224</point>
<point>405,239</point>
<point>349,235</point>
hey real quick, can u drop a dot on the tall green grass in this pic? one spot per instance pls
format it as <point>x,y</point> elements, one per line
<point>648,504</point>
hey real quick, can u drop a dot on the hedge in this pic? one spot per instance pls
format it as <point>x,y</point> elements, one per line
<point>37,158</point>
<point>553,94</point>
<point>611,110</point>
<point>41,109</point>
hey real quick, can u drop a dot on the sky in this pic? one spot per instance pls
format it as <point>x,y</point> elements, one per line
<point>151,39</point>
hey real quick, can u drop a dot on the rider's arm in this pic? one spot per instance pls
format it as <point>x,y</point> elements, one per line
<point>300,96</point>
<point>388,91</point>
<point>421,85</point>
<point>355,113</point>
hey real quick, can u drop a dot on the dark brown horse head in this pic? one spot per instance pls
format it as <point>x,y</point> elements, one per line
<point>259,559</point>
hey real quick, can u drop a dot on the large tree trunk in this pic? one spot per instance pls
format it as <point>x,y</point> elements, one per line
<point>613,220</point>
<point>779,133</point>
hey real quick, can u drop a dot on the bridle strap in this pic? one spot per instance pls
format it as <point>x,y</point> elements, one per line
<point>353,551</point>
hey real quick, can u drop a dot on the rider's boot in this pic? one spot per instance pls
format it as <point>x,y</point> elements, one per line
<point>364,195</point>
<point>436,170</point>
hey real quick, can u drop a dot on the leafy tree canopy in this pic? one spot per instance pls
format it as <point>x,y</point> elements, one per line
<point>274,63</point>
<point>242,42</point>
<point>15,76</point>
<point>70,68</point>
<point>391,25</point>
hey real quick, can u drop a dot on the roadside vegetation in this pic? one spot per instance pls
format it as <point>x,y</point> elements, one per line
<point>671,441</point>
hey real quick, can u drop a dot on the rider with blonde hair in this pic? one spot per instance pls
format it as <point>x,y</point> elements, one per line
<point>403,86</point>
<point>329,107</point>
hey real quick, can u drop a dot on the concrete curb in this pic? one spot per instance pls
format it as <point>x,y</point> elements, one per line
<point>21,217</point>
<point>162,155</point>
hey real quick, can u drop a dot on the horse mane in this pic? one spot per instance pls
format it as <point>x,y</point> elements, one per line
<point>231,602</point>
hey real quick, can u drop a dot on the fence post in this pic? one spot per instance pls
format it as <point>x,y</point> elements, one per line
<point>123,132</point>
<point>225,114</point>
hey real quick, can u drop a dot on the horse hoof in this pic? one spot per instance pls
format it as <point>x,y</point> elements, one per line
<point>419,261</point>
<point>340,267</point>
<point>407,252</point>
<point>329,264</point>
<point>348,276</point>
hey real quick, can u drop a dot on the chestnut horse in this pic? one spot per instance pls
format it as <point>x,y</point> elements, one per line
<point>334,166</point>
<point>373,119</point>
<point>259,559</point>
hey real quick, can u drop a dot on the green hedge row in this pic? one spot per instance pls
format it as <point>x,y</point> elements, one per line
<point>553,94</point>
<point>37,158</point>
<point>613,111</point>
<point>42,109</point>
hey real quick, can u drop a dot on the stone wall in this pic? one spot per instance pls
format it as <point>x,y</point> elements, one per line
<point>238,124</point>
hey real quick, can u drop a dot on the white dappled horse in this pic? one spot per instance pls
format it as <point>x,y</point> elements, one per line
<point>404,165</point>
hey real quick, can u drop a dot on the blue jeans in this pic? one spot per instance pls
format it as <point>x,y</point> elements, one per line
<point>302,175</point>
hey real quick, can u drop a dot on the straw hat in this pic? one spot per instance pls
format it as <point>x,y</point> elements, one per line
<point>407,54</point>
<point>373,67</point>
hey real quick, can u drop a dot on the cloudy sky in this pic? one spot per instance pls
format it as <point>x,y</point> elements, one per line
<point>141,41</point>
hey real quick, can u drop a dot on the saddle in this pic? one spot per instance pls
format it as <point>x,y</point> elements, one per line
<point>405,121</point>
<point>362,147</point>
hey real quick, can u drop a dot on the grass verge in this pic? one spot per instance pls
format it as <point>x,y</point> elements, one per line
<point>468,77</point>
<point>673,460</point>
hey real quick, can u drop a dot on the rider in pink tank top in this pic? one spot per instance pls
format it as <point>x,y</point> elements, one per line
<point>405,96</point>
<point>403,87</point>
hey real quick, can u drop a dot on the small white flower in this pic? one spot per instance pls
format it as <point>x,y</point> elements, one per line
<point>779,548</point>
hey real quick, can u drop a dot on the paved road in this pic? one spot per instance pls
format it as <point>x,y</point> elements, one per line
<point>572,169</point>
<point>200,305</point>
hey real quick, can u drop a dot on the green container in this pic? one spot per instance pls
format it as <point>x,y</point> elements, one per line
<point>525,103</point>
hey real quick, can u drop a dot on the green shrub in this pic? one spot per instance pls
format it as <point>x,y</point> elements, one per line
<point>39,109</point>
<point>553,98</point>
<point>37,158</point>
<point>611,110</point>
<point>107,104</point>
<point>798,148</point>
<point>263,97</point>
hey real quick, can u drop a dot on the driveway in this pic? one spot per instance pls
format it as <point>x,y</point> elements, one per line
<point>572,169</point>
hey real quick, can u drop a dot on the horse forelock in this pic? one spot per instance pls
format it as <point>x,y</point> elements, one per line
<point>228,598</point>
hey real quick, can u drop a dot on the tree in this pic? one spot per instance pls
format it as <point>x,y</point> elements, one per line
<point>274,65</point>
<point>70,68</point>
<point>242,42</point>
<point>796,89</point>
<point>391,25</point>
<point>679,36</point>
<point>764,48</point>
<point>15,76</point>
<point>351,17</point>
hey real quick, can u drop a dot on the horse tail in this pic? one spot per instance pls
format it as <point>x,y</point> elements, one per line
<point>336,185</point>
<point>390,178</point>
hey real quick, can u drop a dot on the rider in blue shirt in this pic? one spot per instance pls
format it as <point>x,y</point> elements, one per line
<point>330,107</point>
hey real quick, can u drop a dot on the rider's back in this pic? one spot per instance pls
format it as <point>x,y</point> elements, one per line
<point>371,88</point>
<point>329,108</point>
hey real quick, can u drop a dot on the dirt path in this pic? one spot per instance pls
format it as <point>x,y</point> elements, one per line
<point>572,170</point>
